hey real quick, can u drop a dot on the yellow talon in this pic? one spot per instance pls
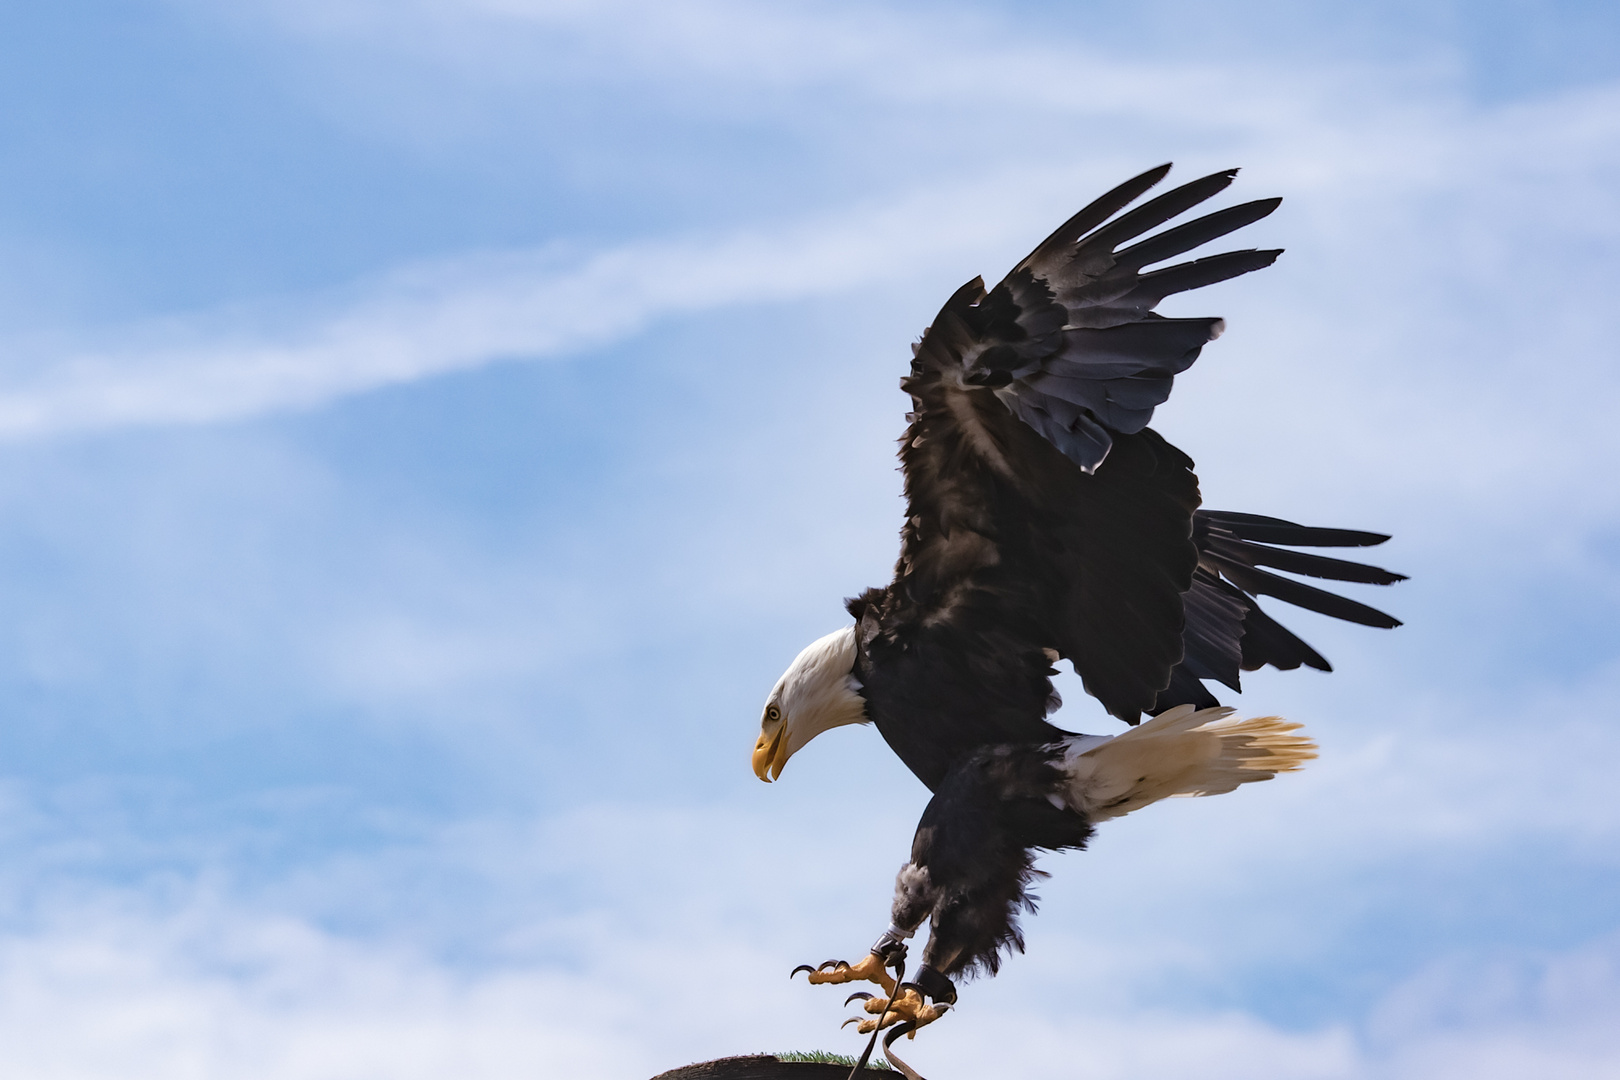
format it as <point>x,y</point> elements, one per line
<point>870,969</point>
<point>908,1006</point>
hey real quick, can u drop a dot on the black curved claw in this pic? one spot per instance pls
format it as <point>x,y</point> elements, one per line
<point>859,995</point>
<point>834,964</point>
<point>801,967</point>
<point>851,1020</point>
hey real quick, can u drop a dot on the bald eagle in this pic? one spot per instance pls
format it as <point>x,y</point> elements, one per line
<point>1046,521</point>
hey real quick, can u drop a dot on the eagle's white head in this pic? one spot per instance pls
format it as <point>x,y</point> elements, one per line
<point>818,692</point>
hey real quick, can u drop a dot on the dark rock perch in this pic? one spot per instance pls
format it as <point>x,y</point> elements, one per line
<point>766,1067</point>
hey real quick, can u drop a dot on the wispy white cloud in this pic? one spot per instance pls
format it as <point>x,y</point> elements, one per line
<point>948,55</point>
<point>940,91</point>
<point>425,322</point>
<point>470,311</point>
<point>1350,148</point>
<point>633,980</point>
<point>207,994</point>
<point>463,313</point>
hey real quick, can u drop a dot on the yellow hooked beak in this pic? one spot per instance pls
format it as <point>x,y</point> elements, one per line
<point>770,752</point>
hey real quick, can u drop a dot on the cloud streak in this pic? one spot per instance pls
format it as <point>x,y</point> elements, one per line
<point>1343,142</point>
<point>436,319</point>
<point>109,984</point>
<point>462,313</point>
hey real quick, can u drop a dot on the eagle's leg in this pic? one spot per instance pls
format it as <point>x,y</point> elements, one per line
<point>971,863</point>
<point>914,898</point>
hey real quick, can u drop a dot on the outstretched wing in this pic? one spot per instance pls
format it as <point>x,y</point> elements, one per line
<point>1041,510</point>
<point>1226,630</point>
<point>1070,340</point>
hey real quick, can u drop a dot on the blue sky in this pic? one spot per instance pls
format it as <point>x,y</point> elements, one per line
<point>427,429</point>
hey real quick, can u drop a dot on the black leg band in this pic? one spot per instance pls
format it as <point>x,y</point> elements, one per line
<point>891,946</point>
<point>935,985</point>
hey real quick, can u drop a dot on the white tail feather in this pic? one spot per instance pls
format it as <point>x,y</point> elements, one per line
<point>1183,751</point>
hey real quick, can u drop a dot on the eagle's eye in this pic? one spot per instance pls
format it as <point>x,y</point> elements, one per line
<point>773,713</point>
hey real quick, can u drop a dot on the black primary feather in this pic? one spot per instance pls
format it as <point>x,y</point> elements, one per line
<point>1227,631</point>
<point>1069,340</point>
